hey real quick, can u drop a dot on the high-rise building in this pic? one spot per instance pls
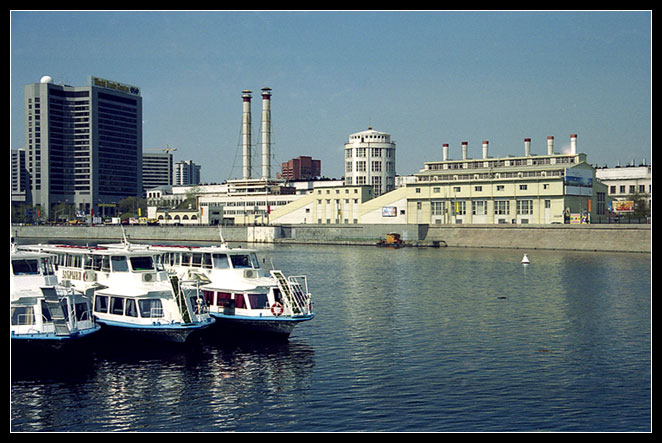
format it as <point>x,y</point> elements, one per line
<point>370,160</point>
<point>19,177</point>
<point>301,168</point>
<point>187,173</point>
<point>84,144</point>
<point>157,170</point>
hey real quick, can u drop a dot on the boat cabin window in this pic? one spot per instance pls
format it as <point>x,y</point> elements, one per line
<point>93,262</point>
<point>116,305</point>
<point>196,259</point>
<point>150,308</point>
<point>186,259</point>
<point>25,267</point>
<point>130,308</point>
<point>101,303</point>
<point>119,263</point>
<point>105,263</point>
<point>206,260</point>
<point>257,301</point>
<point>220,261</point>
<point>22,315</point>
<point>142,263</point>
<point>73,261</point>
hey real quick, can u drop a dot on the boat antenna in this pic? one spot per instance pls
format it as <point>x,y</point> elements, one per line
<point>220,234</point>
<point>125,241</point>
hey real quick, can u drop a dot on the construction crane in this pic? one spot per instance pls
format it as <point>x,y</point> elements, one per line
<point>166,149</point>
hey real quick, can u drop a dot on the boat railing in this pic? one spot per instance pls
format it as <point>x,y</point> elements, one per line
<point>295,290</point>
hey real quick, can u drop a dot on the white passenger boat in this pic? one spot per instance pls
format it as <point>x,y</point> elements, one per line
<point>237,290</point>
<point>132,293</point>
<point>44,313</point>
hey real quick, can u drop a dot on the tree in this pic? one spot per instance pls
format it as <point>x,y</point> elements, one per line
<point>128,207</point>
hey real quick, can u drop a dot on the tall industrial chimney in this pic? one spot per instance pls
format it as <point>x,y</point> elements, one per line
<point>266,133</point>
<point>444,150</point>
<point>464,150</point>
<point>573,143</point>
<point>246,132</point>
<point>550,145</point>
<point>485,145</point>
<point>527,147</point>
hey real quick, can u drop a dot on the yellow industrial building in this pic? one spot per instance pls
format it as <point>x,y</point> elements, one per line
<point>527,189</point>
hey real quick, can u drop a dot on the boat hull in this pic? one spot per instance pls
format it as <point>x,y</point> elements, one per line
<point>277,326</point>
<point>171,333</point>
<point>51,341</point>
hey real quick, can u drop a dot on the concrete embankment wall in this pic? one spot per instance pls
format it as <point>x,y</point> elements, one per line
<point>615,238</point>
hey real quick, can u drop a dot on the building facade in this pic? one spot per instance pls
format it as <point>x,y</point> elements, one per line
<point>158,170</point>
<point>528,189</point>
<point>370,160</point>
<point>20,192</point>
<point>301,168</point>
<point>83,144</point>
<point>628,182</point>
<point>187,173</point>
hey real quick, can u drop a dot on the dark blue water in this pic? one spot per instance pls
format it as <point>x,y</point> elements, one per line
<point>403,340</point>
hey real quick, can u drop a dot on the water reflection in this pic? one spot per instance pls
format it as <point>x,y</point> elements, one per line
<point>403,340</point>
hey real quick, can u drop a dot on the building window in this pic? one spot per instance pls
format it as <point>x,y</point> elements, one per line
<point>479,207</point>
<point>522,187</point>
<point>524,207</point>
<point>478,188</point>
<point>501,207</point>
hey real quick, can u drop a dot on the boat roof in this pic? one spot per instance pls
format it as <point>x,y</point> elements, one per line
<point>206,248</point>
<point>20,254</point>
<point>97,250</point>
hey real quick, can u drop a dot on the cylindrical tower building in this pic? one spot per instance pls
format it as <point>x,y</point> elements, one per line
<point>370,160</point>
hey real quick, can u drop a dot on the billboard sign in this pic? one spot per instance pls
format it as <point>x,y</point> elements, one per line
<point>578,181</point>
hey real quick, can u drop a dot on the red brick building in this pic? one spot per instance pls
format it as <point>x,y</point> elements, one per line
<point>301,168</point>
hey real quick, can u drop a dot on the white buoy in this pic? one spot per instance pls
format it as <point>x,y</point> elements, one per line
<point>525,260</point>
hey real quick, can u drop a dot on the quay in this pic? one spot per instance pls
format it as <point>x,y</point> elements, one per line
<point>599,238</point>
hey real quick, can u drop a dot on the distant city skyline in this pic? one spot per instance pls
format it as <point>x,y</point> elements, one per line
<point>425,77</point>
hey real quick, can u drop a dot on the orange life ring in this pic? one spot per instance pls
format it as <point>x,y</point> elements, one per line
<point>277,309</point>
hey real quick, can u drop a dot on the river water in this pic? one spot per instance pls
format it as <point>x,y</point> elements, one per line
<point>408,340</point>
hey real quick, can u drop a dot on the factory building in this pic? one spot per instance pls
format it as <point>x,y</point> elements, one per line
<point>526,189</point>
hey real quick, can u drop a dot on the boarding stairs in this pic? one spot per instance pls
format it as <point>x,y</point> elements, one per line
<point>55,309</point>
<point>295,292</point>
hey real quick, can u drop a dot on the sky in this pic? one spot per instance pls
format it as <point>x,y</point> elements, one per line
<point>424,77</point>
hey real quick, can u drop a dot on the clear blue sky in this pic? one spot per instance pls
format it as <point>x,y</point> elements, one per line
<point>426,78</point>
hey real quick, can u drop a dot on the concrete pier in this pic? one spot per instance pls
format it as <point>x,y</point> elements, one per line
<point>611,238</point>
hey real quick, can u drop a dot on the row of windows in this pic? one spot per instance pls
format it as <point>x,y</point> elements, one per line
<point>148,308</point>
<point>632,189</point>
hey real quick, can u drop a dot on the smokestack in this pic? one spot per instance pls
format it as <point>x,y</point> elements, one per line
<point>485,145</point>
<point>444,151</point>
<point>246,132</point>
<point>266,133</point>
<point>527,147</point>
<point>550,145</point>
<point>573,143</point>
<point>464,150</point>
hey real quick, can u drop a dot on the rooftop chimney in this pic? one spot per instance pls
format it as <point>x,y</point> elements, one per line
<point>444,150</point>
<point>573,143</point>
<point>527,147</point>
<point>464,150</point>
<point>246,132</point>
<point>550,145</point>
<point>266,133</point>
<point>485,145</point>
